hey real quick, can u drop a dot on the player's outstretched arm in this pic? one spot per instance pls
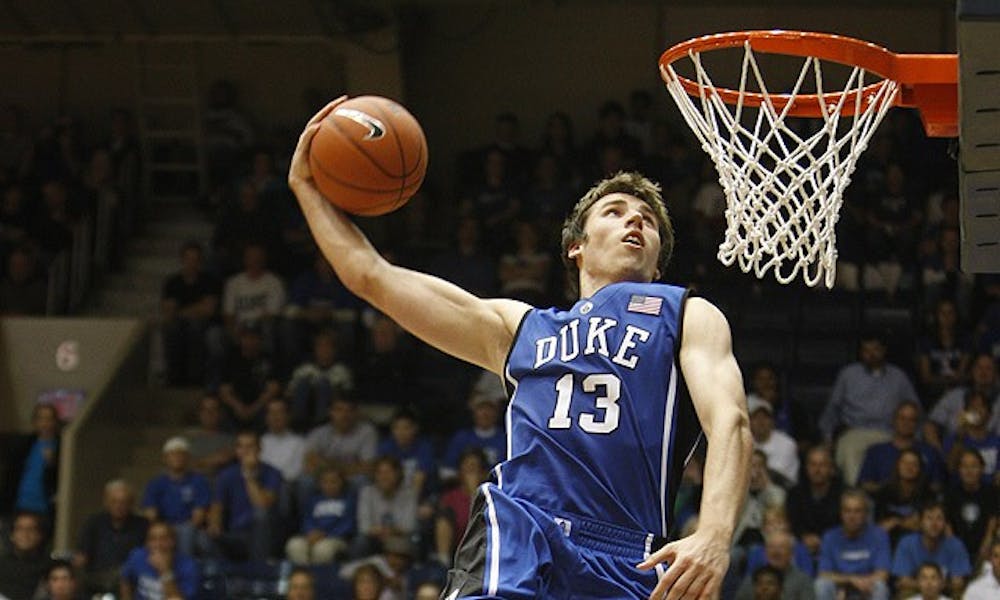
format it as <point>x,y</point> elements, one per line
<point>436,311</point>
<point>698,563</point>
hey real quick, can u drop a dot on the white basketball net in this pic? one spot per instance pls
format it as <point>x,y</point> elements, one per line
<point>783,191</point>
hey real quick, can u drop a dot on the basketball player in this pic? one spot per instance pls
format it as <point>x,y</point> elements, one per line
<point>599,426</point>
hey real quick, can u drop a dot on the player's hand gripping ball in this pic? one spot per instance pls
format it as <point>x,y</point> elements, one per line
<point>369,156</point>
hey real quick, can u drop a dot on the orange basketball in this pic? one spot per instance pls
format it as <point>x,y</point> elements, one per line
<point>369,156</point>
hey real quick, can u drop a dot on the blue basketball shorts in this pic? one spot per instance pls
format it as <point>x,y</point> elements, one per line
<point>513,550</point>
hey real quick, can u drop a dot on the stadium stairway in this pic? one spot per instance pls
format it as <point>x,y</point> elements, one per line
<point>150,257</point>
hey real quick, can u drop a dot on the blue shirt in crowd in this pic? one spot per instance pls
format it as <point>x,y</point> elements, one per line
<point>335,517</point>
<point>418,457</point>
<point>494,445</point>
<point>31,494</point>
<point>176,499</point>
<point>862,555</point>
<point>988,448</point>
<point>231,492</point>
<point>145,579</point>
<point>950,555</point>
<point>880,460</point>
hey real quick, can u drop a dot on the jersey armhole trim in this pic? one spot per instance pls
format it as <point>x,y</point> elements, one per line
<point>513,343</point>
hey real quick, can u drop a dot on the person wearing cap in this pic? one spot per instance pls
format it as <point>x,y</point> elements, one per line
<point>485,401</point>
<point>180,497</point>
<point>781,450</point>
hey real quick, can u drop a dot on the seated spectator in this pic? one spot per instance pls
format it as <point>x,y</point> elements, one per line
<point>764,494</point>
<point>973,433</point>
<point>930,583</point>
<point>524,272</point>
<point>455,504</point>
<point>413,451</point>
<point>368,583</point>
<point>855,556</point>
<point>36,486</point>
<point>180,498</point>
<point>242,515</point>
<point>987,585</point>
<point>796,585</point>
<point>158,571</point>
<point>249,381</point>
<point>316,300</point>
<point>861,405</point>
<point>210,447</point>
<point>898,502</point>
<point>23,567</point>
<point>943,355</point>
<point>487,433</point>
<point>776,521</point>
<point>329,522</point>
<point>385,371</point>
<point>107,538</point>
<point>932,544</point>
<point>347,442</point>
<point>254,295</point>
<point>768,584</point>
<point>780,449</point>
<point>61,582</point>
<point>280,447</point>
<point>301,585</point>
<point>189,308</point>
<point>950,408</point>
<point>386,508</point>
<point>881,458</point>
<point>23,290</point>
<point>314,383</point>
<point>972,506</point>
<point>814,504</point>
<point>394,566</point>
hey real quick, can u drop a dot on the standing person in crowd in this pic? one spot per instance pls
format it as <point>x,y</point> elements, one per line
<point>880,459</point>
<point>972,506</point>
<point>987,585</point>
<point>932,544</point>
<point>242,516</point>
<point>107,538</point>
<point>189,308</point>
<point>36,486</point>
<point>616,241</point>
<point>157,571</point>
<point>861,405</point>
<point>27,562</point>
<point>854,557</point>
<point>179,497</point>
<point>814,504</point>
<point>949,412</point>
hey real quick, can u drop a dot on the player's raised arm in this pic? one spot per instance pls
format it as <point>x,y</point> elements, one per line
<point>698,562</point>
<point>436,311</point>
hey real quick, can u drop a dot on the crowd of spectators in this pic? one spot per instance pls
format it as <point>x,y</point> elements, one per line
<point>329,439</point>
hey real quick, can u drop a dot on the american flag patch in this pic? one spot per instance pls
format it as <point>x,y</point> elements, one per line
<point>647,305</point>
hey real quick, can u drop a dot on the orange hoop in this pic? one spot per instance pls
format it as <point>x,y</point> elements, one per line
<point>928,82</point>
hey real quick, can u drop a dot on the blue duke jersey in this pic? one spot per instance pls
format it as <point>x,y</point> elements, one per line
<point>600,424</point>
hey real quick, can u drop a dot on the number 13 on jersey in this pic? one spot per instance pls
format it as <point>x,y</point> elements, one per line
<point>605,389</point>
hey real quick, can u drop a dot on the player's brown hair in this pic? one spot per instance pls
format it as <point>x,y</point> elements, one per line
<point>623,182</point>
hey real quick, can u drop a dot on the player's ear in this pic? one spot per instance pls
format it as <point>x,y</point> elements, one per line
<point>574,250</point>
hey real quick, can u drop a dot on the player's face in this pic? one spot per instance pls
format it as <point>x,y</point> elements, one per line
<point>621,241</point>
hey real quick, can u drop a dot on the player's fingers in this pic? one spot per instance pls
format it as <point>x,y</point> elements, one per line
<point>684,584</point>
<point>670,576</point>
<point>321,114</point>
<point>664,554</point>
